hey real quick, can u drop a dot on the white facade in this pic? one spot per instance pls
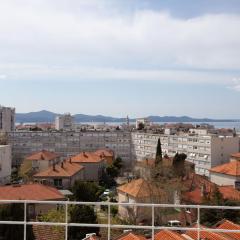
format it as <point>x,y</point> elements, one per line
<point>223,179</point>
<point>70,143</point>
<point>7,119</point>
<point>205,151</point>
<point>64,122</point>
<point>5,164</point>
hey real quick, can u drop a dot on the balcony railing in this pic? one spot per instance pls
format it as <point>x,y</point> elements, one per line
<point>152,227</point>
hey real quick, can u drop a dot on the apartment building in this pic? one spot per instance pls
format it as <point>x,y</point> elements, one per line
<point>64,122</point>
<point>7,119</point>
<point>70,143</point>
<point>203,149</point>
<point>5,164</point>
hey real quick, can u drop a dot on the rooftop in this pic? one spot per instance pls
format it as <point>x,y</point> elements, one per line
<point>168,235</point>
<point>63,169</point>
<point>87,157</point>
<point>131,236</point>
<point>236,155</point>
<point>33,191</point>
<point>141,188</point>
<point>232,168</point>
<point>43,155</point>
<point>226,224</point>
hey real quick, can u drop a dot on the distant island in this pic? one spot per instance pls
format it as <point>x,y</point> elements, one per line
<point>47,116</point>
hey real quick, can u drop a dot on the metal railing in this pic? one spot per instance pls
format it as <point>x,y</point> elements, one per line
<point>153,227</point>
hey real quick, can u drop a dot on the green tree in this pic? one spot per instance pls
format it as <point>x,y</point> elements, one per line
<point>140,126</point>
<point>112,171</point>
<point>13,212</point>
<point>86,191</point>
<point>179,164</point>
<point>82,214</point>
<point>209,217</point>
<point>158,158</point>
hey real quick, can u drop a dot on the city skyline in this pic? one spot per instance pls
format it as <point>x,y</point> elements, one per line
<point>117,58</point>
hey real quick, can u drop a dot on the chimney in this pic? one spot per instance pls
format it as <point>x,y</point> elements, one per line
<point>70,160</point>
<point>61,164</point>
<point>54,169</point>
<point>203,190</point>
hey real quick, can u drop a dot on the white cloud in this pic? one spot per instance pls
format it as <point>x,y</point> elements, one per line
<point>85,39</point>
<point>3,76</point>
<point>235,84</point>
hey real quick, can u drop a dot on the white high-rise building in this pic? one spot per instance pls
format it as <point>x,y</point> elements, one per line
<point>5,164</point>
<point>64,122</point>
<point>7,119</point>
<point>203,149</point>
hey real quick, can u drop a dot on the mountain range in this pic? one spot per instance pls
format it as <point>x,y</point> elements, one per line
<point>47,116</point>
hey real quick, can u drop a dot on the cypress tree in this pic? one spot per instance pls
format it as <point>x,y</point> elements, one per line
<point>158,158</point>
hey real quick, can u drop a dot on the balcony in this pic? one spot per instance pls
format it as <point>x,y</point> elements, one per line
<point>109,225</point>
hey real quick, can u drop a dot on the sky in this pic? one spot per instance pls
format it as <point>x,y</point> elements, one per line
<point>121,57</point>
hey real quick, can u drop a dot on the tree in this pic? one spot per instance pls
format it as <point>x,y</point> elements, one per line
<point>13,212</point>
<point>158,158</point>
<point>112,171</point>
<point>140,126</point>
<point>209,217</point>
<point>82,214</point>
<point>179,164</point>
<point>86,191</point>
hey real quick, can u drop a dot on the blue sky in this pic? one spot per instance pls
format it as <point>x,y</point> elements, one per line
<point>121,58</point>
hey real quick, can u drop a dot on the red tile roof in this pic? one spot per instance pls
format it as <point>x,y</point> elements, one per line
<point>64,169</point>
<point>104,152</point>
<point>236,155</point>
<point>131,236</point>
<point>30,192</point>
<point>232,168</point>
<point>141,188</point>
<point>225,224</point>
<point>45,232</point>
<point>205,235</point>
<point>168,235</point>
<point>195,196</point>
<point>43,155</point>
<point>87,157</point>
<point>229,192</point>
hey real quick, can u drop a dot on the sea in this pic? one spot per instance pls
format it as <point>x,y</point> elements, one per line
<point>232,125</point>
<point>235,124</point>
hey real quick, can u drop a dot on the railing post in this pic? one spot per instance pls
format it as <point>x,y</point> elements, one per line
<point>153,224</point>
<point>198,222</point>
<point>66,220</point>
<point>25,221</point>
<point>109,220</point>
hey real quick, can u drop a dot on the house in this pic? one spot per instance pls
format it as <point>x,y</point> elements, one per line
<point>226,174</point>
<point>130,236</point>
<point>38,161</point>
<point>235,156</point>
<point>228,225</point>
<point>107,154</point>
<point>33,191</point>
<point>205,235</point>
<point>168,235</point>
<point>93,164</point>
<point>139,191</point>
<point>62,175</point>
<point>199,187</point>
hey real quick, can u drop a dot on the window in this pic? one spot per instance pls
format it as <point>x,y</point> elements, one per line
<point>58,182</point>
